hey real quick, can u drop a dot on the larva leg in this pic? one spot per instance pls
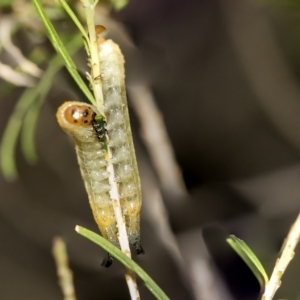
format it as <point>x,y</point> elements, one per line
<point>108,262</point>
<point>100,127</point>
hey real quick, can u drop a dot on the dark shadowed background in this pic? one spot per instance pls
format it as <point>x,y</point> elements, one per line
<point>225,77</point>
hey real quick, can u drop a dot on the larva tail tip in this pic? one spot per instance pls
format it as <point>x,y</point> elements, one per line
<point>107,262</point>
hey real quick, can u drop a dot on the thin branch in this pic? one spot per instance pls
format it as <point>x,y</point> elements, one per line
<point>114,192</point>
<point>282,262</point>
<point>123,239</point>
<point>154,133</point>
<point>7,24</point>
<point>203,280</point>
<point>9,74</point>
<point>64,273</point>
<point>95,62</point>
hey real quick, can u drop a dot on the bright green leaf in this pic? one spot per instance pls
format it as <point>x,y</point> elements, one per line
<point>125,260</point>
<point>60,48</point>
<point>247,255</point>
<point>69,11</point>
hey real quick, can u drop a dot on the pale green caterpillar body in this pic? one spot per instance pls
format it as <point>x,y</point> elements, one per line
<point>78,119</point>
<point>120,138</point>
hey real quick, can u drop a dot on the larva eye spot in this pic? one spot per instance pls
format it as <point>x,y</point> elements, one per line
<point>79,115</point>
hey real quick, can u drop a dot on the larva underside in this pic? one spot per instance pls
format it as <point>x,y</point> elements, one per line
<point>77,119</point>
<point>120,137</point>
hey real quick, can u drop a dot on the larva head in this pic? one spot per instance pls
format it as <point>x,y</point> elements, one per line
<point>76,114</point>
<point>81,115</point>
<point>76,118</point>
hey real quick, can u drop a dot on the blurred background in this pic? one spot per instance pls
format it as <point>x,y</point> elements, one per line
<point>214,100</point>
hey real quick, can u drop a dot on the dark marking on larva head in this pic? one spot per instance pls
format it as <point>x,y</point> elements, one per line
<point>79,115</point>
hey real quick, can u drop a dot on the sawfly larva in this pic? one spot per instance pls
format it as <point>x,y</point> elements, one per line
<point>120,138</point>
<point>78,120</point>
<point>90,131</point>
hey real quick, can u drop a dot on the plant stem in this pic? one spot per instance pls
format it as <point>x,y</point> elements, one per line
<point>95,79</point>
<point>114,192</point>
<point>282,262</point>
<point>64,273</point>
<point>127,262</point>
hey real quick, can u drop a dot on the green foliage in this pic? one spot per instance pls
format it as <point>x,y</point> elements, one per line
<point>70,12</point>
<point>25,115</point>
<point>126,261</point>
<point>119,4</point>
<point>60,48</point>
<point>247,255</point>
<point>5,3</point>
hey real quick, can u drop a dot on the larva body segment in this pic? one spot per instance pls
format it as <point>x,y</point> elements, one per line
<point>120,138</point>
<point>77,119</point>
